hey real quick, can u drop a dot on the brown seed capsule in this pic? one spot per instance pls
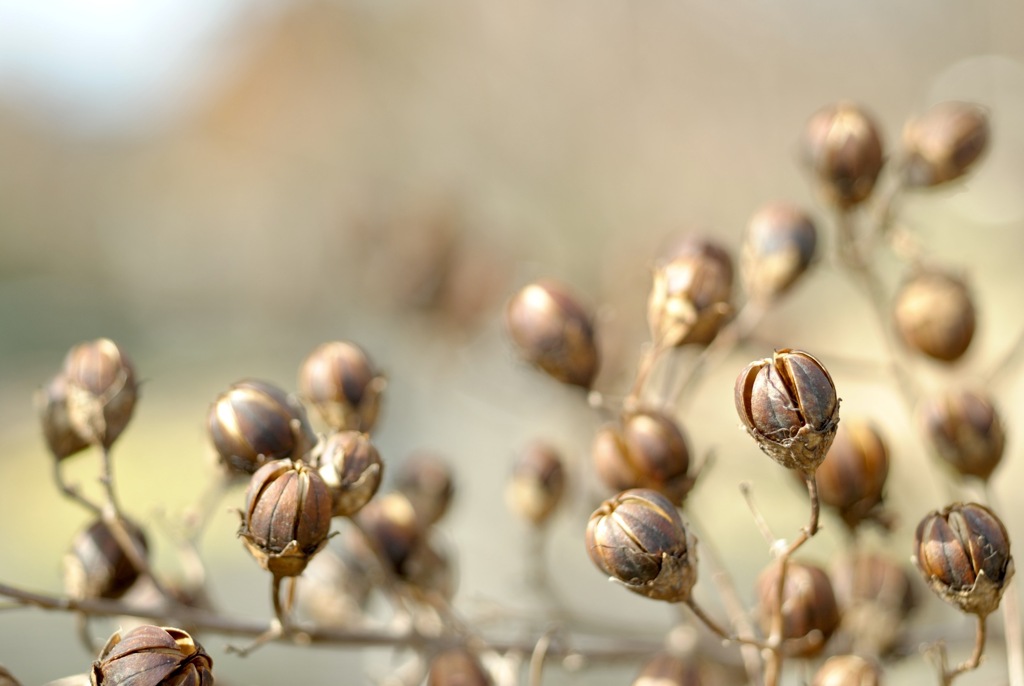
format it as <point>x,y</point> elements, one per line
<point>153,656</point>
<point>944,143</point>
<point>254,422</point>
<point>341,382</point>
<point>666,669</point>
<point>848,670</point>
<point>335,588</point>
<point>392,527</point>
<point>552,331</point>
<point>287,516</point>
<point>777,249</point>
<point>788,404</point>
<point>61,436</point>
<point>351,467</point>
<point>101,390</point>
<point>7,679</point>
<point>852,477</point>
<point>537,483</point>
<point>645,449</point>
<point>808,604</point>
<point>457,667</point>
<point>965,431</point>
<point>963,551</point>
<point>427,481</point>
<point>97,566</point>
<point>638,539</point>
<point>876,595</point>
<point>691,297</point>
<point>843,149</point>
<point>934,314</point>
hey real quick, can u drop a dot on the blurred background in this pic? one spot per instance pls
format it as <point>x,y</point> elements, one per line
<point>220,187</point>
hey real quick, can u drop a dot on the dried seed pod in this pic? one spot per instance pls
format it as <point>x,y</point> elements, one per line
<point>287,516</point>
<point>457,667</point>
<point>351,467</point>
<point>537,483</point>
<point>853,474</point>
<point>934,314</point>
<point>691,297</point>
<point>335,588</point>
<point>101,390</point>
<point>777,249</point>
<point>843,149</point>
<point>788,404</point>
<point>552,331</point>
<point>393,528</point>
<point>97,566</point>
<point>965,431</point>
<point>963,551</point>
<point>153,656</point>
<point>666,669</point>
<point>944,143</point>
<point>426,480</point>
<point>645,449</point>
<point>61,436</point>
<point>808,603</point>
<point>848,670</point>
<point>7,679</point>
<point>876,595</point>
<point>254,422</point>
<point>341,382</point>
<point>430,570</point>
<point>638,539</point>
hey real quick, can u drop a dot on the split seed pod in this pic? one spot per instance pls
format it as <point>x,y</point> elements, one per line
<point>808,604</point>
<point>638,539</point>
<point>537,483</point>
<point>97,566</point>
<point>287,516</point>
<point>341,382</point>
<point>788,404</point>
<point>934,314</point>
<point>963,551</point>
<point>848,670</point>
<point>101,390</point>
<point>153,656</point>
<point>944,143</point>
<point>778,248</point>
<point>61,436</point>
<point>965,431</point>
<point>843,150</point>
<point>691,297</point>
<point>351,467</point>
<point>852,477</point>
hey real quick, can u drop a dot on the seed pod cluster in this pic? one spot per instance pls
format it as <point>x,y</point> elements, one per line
<point>537,483</point>
<point>552,331</point>
<point>691,297</point>
<point>964,430</point>
<point>944,143</point>
<point>644,449</point>
<point>808,603</point>
<point>788,404</point>
<point>153,656</point>
<point>848,670</point>
<point>934,314</point>
<point>97,565</point>
<point>638,538</point>
<point>843,150</point>
<point>852,477</point>
<point>341,382</point>
<point>778,247</point>
<point>963,551</point>
<point>352,469</point>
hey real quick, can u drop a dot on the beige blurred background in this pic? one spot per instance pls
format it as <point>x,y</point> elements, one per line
<point>220,189</point>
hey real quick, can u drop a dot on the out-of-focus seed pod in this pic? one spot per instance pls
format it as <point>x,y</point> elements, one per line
<point>934,314</point>
<point>61,436</point>
<point>457,667</point>
<point>426,480</point>
<point>101,390</point>
<point>430,570</point>
<point>778,248</point>
<point>537,483</point>
<point>392,527</point>
<point>963,551</point>
<point>254,422</point>
<point>552,331</point>
<point>808,603</point>
<point>788,404</point>
<point>965,431</point>
<point>335,588</point>
<point>645,449</point>
<point>97,566</point>
<point>944,143</point>
<point>666,669</point>
<point>638,538</point>
<point>7,679</point>
<point>843,150</point>
<point>848,670</point>
<point>691,297</point>
<point>341,382</point>
<point>287,516</point>
<point>351,467</point>
<point>876,595</point>
<point>852,477</point>
<point>153,656</point>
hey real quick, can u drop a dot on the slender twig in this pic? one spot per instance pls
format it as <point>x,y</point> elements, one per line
<point>539,655</point>
<point>71,492</point>
<point>1012,631</point>
<point>762,524</point>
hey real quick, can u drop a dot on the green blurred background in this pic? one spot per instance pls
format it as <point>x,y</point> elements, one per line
<point>220,189</point>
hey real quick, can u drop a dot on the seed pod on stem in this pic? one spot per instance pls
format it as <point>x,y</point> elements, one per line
<point>777,249</point>
<point>843,150</point>
<point>393,528</point>
<point>341,382</point>
<point>552,331</point>
<point>848,670</point>
<point>638,539</point>
<point>852,476</point>
<point>427,481</point>
<point>101,390</point>
<point>964,430</point>
<point>351,467</point>
<point>934,314</point>
<point>537,483</point>
<point>153,656</point>
<point>944,143</point>
<point>963,551</point>
<point>61,436</point>
<point>97,566</point>
<point>788,404</point>
<point>808,603</point>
